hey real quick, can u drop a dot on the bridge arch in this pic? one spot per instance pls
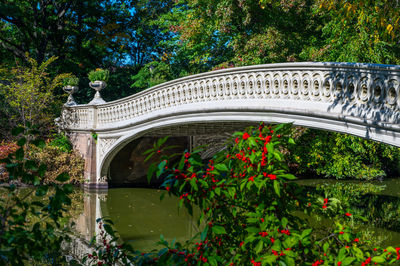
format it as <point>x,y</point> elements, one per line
<point>330,123</point>
<point>359,99</point>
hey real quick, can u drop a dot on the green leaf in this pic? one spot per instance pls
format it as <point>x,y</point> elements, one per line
<point>284,222</point>
<point>204,234</point>
<point>148,151</point>
<point>259,246</point>
<point>39,143</point>
<point>277,188</point>
<point>325,246</point>
<point>288,176</point>
<point>63,177</point>
<point>36,181</point>
<point>109,229</point>
<point>221,167</point>
<point>289,261</point>
<point>150,171</point>
<point>269,259</point>
<point>68,188</point>
<point>41,191</point>
<point>19,154</point>
<point>307,232</point>
<point>290,242</point>
<point>17,130</point>
<point>162,141</point>
<point>348,261</point>
<point>359,253</point>
<point>31,165</point>
<point>42,170</point>
<point>21,142</point>
<point>252,229</point>
<point>342,254</point>
<point>161,167</point>
<point>149,156</point>
<point>194,184</point>
<point>219,230</point>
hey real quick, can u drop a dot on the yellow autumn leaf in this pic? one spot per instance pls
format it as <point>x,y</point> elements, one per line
<point>389,28</point>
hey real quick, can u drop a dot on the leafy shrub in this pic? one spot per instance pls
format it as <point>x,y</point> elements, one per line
<point>6,148</point>
<point>250,210</point>
<point>99,74</point>
<point>343,156</point>
<point>62,142</point>
<point>30,232</point>
<point>71,81</point>
<point>29,92</point>
<point>59,161</point>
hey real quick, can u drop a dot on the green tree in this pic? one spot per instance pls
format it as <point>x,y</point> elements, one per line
<point>341,156</point>
<point>356,31</point>
<point>30,92</point>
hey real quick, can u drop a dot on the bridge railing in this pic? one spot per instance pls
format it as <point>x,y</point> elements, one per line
<point>367,91</point>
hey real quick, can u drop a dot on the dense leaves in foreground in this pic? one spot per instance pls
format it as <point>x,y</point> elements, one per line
<point>251,211</point>
<point>30,230</point>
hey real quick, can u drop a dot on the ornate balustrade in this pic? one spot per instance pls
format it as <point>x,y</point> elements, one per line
<point>366,92</point>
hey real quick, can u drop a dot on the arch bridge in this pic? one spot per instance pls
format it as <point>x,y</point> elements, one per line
<point>359,99</point>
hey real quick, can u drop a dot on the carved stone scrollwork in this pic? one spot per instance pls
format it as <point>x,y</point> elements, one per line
<point>105,144</point>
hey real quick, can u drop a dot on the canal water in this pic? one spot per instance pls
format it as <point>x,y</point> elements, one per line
<point>140,217</point>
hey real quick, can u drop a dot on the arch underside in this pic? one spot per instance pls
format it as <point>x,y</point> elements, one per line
<point>197,119</point>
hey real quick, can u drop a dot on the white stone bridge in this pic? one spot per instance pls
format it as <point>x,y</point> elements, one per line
<point>359,99</point>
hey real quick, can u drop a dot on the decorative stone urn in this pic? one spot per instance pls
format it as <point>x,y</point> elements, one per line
<point>70,90</point>
<point>97,85</point>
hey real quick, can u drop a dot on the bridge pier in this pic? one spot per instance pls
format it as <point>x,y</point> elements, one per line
<point>86,145</point>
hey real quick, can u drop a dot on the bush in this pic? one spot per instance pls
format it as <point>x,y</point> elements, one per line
<point>250,210</point>
<point>342,156</point>
<point>62,142</point>
<point>29,94</point>
<point>58,161</point>
<point>6,148</point>
<point>30,232</point>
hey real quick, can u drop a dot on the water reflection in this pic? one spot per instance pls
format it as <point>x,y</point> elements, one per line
<point>377,201</point>
<point>138,215</point>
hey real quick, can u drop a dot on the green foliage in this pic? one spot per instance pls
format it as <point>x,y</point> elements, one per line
<point>152,74</point>
<point>379,211</point>
<point>30,92</point>
<point>343,156</point>
<point>107,249</point>
<point>30,230</point>
<point>357,31</point>
<point>62,142</point>
<point>58,160</point>
<point>99,74</point>
<point>251,211</point>
<point>71,81</point>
